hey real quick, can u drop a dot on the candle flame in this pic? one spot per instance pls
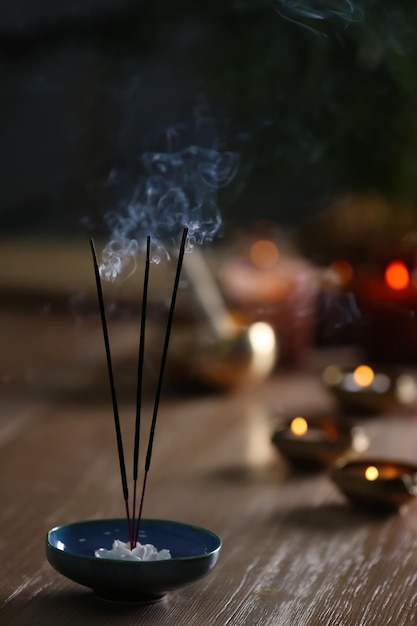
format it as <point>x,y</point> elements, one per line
<point>264,346</point>
<point>299,426</point>
<point>262,338</point>
<point>363,375</point>
<point>264,254</point>
<point>397,275</point>
<point>371,473</point>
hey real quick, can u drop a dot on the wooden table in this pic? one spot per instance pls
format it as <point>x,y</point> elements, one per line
<point>294,552</point>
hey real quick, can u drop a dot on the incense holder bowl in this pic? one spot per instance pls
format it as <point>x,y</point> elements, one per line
<point>379,484</point>
<point>70,550</point>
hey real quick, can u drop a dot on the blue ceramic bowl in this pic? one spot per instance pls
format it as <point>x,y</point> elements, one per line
<point>70,550</point>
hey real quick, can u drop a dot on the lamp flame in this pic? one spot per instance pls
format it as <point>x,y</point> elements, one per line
<point>371,473</point>
<point>299,426</point>
<point>363,376</point>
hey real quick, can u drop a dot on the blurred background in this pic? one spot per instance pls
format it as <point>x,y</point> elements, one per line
<point>309,105</point>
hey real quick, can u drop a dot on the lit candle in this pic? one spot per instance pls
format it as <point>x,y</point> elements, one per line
<point>389,305</point>
<point>397,276</point>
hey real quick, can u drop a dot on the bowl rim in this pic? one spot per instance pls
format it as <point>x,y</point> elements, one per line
<point>365,461</point>
<point>157,521</point>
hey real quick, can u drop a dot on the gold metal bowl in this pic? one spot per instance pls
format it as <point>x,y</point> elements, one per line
<point>365,390</point>
<point>377,483</point>
<point>319,442</point>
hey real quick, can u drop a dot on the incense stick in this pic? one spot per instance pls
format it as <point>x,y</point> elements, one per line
<point>139,387</point>
<point>112,389</point>
<point>161,375</point>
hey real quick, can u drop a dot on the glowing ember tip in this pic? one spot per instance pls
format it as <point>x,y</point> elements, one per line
<point>363,375</point>
<point>299,426</point>
<point>371,473</point>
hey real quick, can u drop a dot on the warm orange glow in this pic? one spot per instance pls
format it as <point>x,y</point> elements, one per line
<point>363,375</point>
<point>343,270</point>
<point>397,275</point>
<point>371,473</point>
<point>299,426</point>
<point>264,254</point>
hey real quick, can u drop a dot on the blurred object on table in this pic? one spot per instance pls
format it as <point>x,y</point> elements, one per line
<point>368,247</point>
<point>227,351</point>
<point>265,279</point>
<point>338,316</point>
<point>355,227</point>
<point>244,356</point>
<point>362,389</point>
<point>386,292</point>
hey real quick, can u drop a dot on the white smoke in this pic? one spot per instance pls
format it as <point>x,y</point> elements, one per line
<point>307,13</point>
<point>177,189</point>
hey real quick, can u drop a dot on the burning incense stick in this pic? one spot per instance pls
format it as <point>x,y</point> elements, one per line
<point>112,389</point>
<point>161,374</point>
<point>139,387</point>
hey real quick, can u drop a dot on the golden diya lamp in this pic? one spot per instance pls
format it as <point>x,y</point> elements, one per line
<point>380,484</point>
<point>363,389</point>
<point>318,442</point>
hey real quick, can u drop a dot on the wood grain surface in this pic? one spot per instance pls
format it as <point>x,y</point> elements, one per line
<point>294,551</point>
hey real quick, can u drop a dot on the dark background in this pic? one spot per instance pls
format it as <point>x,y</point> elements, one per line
<point>318,98</point>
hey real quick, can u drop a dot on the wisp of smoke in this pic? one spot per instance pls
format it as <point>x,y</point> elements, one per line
<point>177,189</point>
<point>307,12</point>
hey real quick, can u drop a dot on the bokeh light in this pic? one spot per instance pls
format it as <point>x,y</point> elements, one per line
<point>397,275</point>
<point>264,254</point>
